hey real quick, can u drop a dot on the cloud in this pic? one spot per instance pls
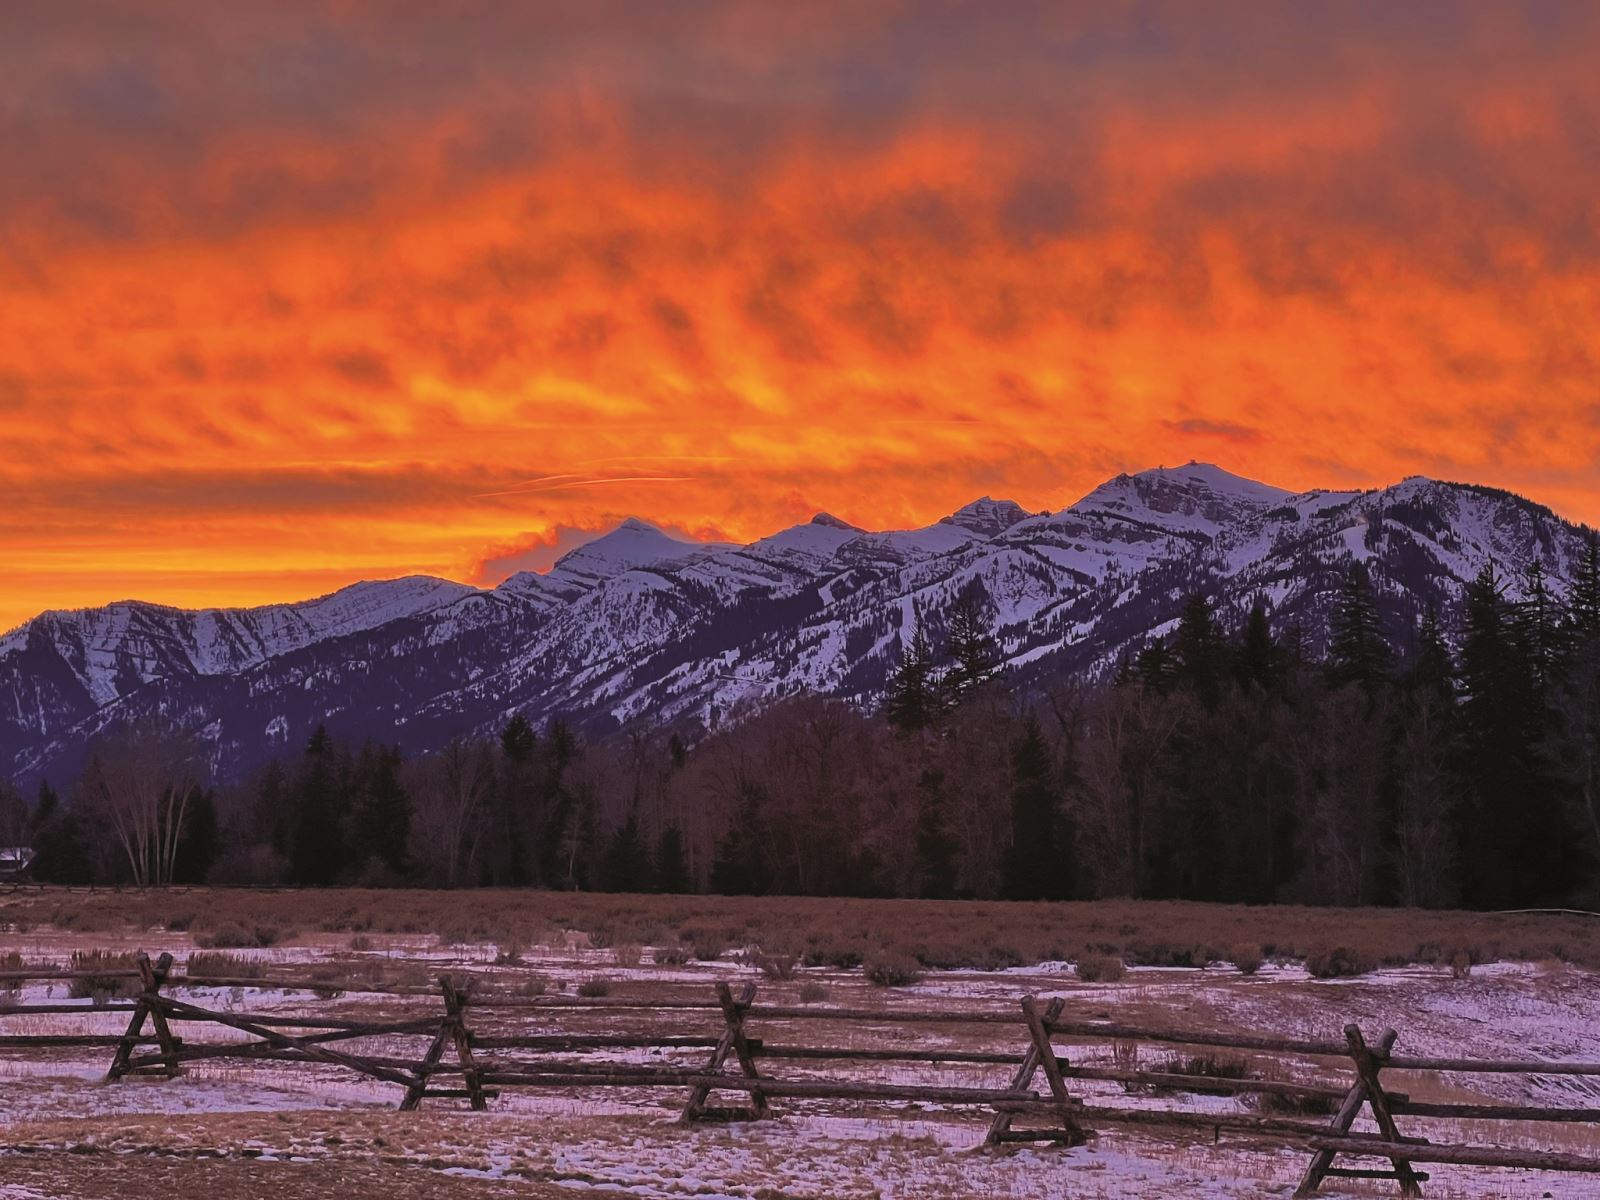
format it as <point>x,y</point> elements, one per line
<point>1227,431</point>
<point>324,286</point>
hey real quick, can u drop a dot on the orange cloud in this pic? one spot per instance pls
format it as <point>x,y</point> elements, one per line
<point>294,301</point>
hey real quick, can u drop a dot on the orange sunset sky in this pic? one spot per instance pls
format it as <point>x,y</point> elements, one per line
<point>293,294</point>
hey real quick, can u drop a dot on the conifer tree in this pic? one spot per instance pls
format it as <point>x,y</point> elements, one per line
<point>1540,627</point>
<point>518,739</point>
<point>672,863</point>
<point>1585,602</point>
<point>913,701</point>
<point>1258,657</point>
<point>381,816</point>
<point>1358,653</point>
<point>1036,869</point>
<point>319,852</point>
<point>627,865</point>
<point>1154,666</point>
<point>60,847</point>
<point>1516,847</point>
<point>1199,650</point>
<point>971,644</point>
<point>199,841</point>
<point>1433,670</point>
<point>936,848</point>
<point>741,866</point>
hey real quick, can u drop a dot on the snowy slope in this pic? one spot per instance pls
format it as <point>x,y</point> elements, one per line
<point>638,626</point>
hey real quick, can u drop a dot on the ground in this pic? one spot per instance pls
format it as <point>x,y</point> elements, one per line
<point>292,1130</point>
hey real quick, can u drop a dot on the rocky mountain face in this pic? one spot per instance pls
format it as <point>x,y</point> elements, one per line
<point>639,627</point>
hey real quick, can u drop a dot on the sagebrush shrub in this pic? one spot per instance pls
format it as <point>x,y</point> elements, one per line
<point>893,970</point>
<point>1100,968</point>
<point>1247,958</point>
<point>1338,962</point>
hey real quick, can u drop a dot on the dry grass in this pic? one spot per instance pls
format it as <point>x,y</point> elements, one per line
<point>102,987</point>
<point>935,933</point>
<point>218,964</point>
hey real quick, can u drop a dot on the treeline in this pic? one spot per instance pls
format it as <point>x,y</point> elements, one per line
<point>1220,763</point>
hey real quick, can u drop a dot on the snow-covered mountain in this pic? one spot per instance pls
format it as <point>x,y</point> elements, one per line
<point>641,627</point>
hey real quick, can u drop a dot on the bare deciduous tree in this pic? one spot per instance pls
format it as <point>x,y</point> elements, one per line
<point>141,780</point>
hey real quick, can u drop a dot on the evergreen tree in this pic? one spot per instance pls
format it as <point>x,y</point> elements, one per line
<point>319,852</point>
<point>1516,847</point>
<point>971,644</point>
<point>741,866</point>
<point>1358,653</point>
<point>1036,869</point>
<point>672,863</point>
<point>1155,667</point>
<point>1201,656</point>
<point>1540,627</point>
<point>518,740</point>
<point>1127,672</point>
<point>199,840</point>
<point>381,821</point>
<point>627,866</point>
<point>1258,656</point>
<point>1433,670</point>
<point>61,851</point>
<point>47,804</point>
<point>563,746</point>
<point>936,848</point>
<point>1585,593</point>
<point>913,700</point>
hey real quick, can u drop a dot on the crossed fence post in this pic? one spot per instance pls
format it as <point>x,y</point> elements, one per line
<point>1367,1089</point>
<point>733,1041</point>
<point>1041,1053</point>
<point>149,1006</point>
<point>452,1031</point>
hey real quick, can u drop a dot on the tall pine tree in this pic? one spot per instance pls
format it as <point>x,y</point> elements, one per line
<point>672,863</point>
<point>1358,653</point>
<point>1258,657</point>
<point>1201,654</point>
<point>1516,847</point>
<point>1036,867</point>
<point>971,644</point>
<point>914,700</point>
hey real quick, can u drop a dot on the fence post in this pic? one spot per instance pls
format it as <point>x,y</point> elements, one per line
<point>1040,1031</point>
<point>732,1041</point>
<point>455,1003</point>
<point>1000,1127</point>
<point>413,1097</point>
<point>1367,1089</point>
<point>151,978</point>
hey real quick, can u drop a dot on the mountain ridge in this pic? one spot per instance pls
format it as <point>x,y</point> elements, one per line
<point>638,626</point>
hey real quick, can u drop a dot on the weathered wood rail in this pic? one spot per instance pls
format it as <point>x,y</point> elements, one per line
<point>475,1067</point>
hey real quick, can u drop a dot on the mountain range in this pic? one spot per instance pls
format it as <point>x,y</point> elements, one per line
<point>640,628</point>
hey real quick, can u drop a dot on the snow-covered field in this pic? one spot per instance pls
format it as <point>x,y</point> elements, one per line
<point>56,1110</point>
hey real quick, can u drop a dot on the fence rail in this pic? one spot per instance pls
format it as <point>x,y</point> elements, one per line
<point>152,1044</point>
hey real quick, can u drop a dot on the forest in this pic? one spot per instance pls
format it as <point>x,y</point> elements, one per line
<point>1220,763</point>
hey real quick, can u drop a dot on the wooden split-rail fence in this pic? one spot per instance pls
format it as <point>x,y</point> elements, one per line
<point>474,1064</point>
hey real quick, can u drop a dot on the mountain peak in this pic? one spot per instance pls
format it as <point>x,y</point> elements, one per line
<point>987,516</point>
<point>829,521</point>
<point>633,543</point>
<point>1208,475</point>
<point>1197,498</point>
